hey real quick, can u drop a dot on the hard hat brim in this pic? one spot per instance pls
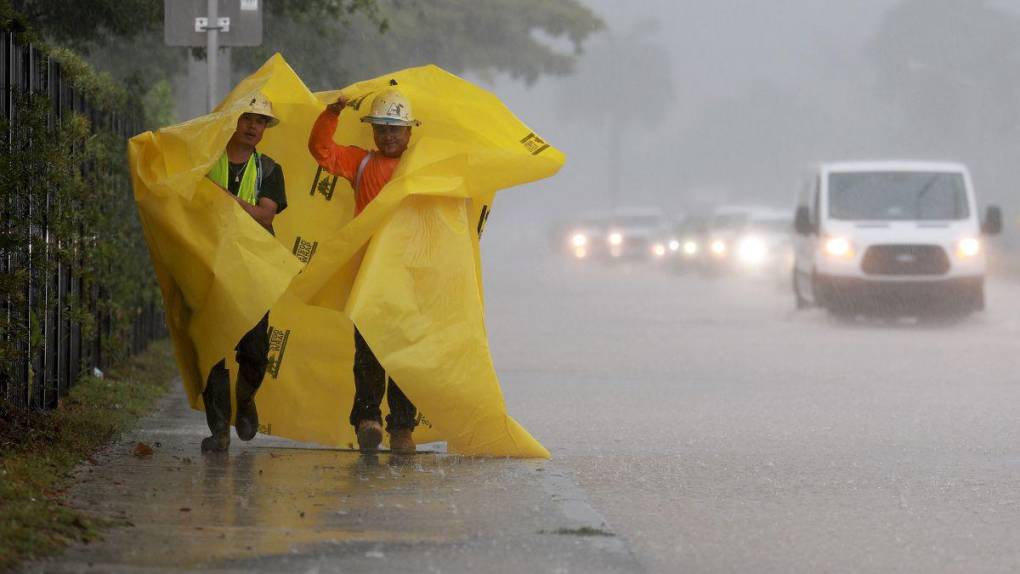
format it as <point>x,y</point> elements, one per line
<point>389,121</point>
<point>271,120</point>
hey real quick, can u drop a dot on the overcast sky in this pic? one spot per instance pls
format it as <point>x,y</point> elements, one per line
<point>785,83</point>
<point>716,50</point>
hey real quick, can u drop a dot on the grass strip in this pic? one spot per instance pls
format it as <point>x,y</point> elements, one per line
<point>39,450</point>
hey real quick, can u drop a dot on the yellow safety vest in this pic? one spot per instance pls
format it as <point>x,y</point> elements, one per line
<point>251,181</point>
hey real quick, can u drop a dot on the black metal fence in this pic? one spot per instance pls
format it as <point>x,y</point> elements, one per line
<point>55,323</point>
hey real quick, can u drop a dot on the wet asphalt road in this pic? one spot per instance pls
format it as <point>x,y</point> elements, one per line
<point>718,430</point>
<point>696,426</point>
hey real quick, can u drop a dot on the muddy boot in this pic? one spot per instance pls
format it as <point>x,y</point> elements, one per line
<point>402,442</point>
<point>216,397</point>
<point>369,435</point>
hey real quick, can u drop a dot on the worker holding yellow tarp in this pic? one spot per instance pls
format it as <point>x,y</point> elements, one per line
<point>256,182</point>
<point>406,270</point>
<point>368,172</point>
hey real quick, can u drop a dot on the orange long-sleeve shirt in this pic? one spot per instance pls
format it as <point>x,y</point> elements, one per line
<point>343,161</point>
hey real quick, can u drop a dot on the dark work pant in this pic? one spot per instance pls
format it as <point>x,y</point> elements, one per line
<point>252,359</point>
<point>369,387</point>
<point>252,354</point>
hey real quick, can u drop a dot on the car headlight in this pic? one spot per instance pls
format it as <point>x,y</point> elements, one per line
<point>839,247</point>
<point>718,247</point>
<point>674,245</point>
<point>968,247</point>
<point>658,250</point>
<point>752,250</point>
<point>616,238</point>
<point>579,240</point>
<point>691,248</point>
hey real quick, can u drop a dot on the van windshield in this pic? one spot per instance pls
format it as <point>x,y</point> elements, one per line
<point>898,196</point>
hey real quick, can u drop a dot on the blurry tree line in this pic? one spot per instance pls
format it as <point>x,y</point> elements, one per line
<point>329,43</point>
<point>937,81</point>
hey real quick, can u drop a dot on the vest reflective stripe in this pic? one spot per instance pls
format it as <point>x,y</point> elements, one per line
<point>251,181</point>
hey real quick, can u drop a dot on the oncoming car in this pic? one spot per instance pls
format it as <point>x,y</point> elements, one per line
<point>746,239</point>
<point>584,238</point>
<point>689,250</point>
<point>891,237</point>
<point>764,246</point>
<point>636,233</point>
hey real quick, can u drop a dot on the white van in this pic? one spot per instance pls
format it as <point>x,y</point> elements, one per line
<point>891,237</point>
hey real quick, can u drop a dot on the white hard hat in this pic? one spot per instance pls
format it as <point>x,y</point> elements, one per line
<point>391,108</point>
<point>259,104</point>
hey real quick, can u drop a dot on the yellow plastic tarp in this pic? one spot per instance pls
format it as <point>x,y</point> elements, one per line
<point>406,271</point>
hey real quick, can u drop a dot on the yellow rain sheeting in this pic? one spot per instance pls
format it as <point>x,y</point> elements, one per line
<point>407,270</point>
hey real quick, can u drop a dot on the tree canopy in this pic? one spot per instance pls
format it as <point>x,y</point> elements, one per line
<point>333,42</point>
<point>522,38</point>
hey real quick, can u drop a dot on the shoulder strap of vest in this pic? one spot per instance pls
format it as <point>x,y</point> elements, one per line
<point>361,171</point>
<point>264,166</point>
<point>268,165</point>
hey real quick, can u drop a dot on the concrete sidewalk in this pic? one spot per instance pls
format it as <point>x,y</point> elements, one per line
<point>271,505</point>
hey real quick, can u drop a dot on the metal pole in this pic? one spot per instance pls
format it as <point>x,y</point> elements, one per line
<point>212,49</point>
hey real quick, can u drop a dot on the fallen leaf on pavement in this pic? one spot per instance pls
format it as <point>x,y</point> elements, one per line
<point>142,450</point>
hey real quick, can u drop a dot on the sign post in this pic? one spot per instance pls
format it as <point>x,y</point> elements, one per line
<point>212,49</point>
<point>212,24</point>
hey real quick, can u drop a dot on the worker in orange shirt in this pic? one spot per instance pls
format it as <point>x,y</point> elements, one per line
<point>368,171</point>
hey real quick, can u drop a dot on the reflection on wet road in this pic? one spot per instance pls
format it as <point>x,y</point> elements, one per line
<point>273,506</point>
<point>696,425</point>
<point>718,430</point>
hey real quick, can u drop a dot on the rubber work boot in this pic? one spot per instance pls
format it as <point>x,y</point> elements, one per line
<point>402,442</point>
<point>216,397</point>
<point>369,435</point>
<point>218,442</point>
<point>247,422</point>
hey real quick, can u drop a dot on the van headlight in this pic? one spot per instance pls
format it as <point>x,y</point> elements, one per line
<point>839,247</point>
<point>658,250</point>
<point>718,247</point>
<point>690,248</point>
<point>674,245</point>
<point>752,250</point>
<point>616,238</point>
<point>579,240</point>
<point>968,247</point>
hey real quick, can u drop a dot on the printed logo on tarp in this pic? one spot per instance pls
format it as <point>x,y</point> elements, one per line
<point>534,144</point>
<point>421,420</point>
<point>277,348</point>
<point>324,183</point>
<point>304,250</point>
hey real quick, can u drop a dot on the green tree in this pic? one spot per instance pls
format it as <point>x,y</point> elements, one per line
<point>947,71</point>
<point>81,25</point>
<point>329,42</point>
<point>85,25</point>
<point>521,38</point>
